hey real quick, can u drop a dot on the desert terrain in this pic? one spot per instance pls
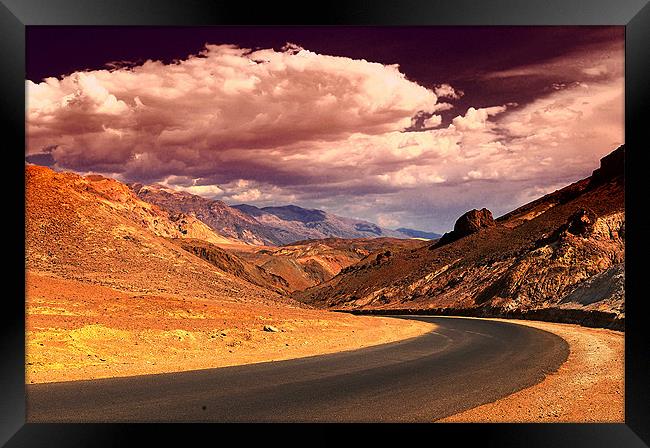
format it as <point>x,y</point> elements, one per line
<point>79,331</point>
<point>112,291</point>
<point>343,224</point>
<point>128,280</point>
<point>563,253</point>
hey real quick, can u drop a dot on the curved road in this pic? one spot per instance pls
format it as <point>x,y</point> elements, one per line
<point>462,364</point>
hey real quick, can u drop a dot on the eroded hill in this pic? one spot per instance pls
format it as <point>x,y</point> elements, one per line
<point>304,264</point>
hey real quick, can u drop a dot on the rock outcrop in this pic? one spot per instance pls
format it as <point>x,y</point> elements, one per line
<point>581,223</point>
<point>471,222</point>
<point>611,167</point>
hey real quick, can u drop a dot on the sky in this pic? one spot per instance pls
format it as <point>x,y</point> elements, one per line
<point>401,126</point>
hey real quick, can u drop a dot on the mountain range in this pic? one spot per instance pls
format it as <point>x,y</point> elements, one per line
<point>562,252</point>
<point>97,229</point>
<point>267,225</point>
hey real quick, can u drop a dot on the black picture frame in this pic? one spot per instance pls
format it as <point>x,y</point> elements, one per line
<point>15,15</point>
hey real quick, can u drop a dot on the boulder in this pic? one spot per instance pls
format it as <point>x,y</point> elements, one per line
<point>473,221</point>
<point>470,222</point>
<point>271,328</point>
<point>581,223</point>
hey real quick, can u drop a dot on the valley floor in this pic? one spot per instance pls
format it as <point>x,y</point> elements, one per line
<point>81,331</point>
<point>588,387</point>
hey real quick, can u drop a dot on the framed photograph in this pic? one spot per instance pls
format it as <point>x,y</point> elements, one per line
<point>414,212</point>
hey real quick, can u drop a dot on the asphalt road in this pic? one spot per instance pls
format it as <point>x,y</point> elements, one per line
<point>462,364</point>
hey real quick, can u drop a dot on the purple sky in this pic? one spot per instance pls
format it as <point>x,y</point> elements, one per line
<point>406,127</point>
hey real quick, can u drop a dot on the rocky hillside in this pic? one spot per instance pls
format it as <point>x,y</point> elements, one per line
<point>556,252</point>
<point>220,217</point>
<point>95,230</point>
<point>117,196</point>
<point>307,263</point>
<point>233,264</point>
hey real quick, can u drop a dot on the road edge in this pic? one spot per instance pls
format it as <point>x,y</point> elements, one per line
<point>588,387</point>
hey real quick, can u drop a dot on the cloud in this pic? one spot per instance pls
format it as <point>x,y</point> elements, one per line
<point>225,98</point>
<point>251,195</point>
<point>569,129</point>
<point>596,60</point>
<point>387,221</point>
<point>447,91</point>
<point>202,190</point>
<point>598,70</point>
<point>432,121</point>
<point>476,119</point>
<point>275,127</point>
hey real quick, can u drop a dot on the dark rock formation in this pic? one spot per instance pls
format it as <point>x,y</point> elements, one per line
<point>382,257</point>
<point>581,223</point>
<point>473,221</point>
<point>470,222</point>
<point>611,167</point>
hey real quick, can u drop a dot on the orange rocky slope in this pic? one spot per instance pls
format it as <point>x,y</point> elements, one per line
<point>108,294</point>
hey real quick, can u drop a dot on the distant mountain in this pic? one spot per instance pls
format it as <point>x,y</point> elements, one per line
<point>291,223</point>
<point>419,234</point>
<point>219,216</point>
<point>275,226</point>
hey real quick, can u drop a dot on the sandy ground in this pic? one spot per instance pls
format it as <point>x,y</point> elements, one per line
<point>83,331</point>
<point>588,387</point>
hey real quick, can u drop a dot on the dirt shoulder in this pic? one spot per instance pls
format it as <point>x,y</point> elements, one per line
<point>588,387</point>
<point>78,331</point>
